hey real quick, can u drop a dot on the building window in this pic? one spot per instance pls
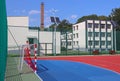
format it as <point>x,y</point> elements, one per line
<point>89,25</point>
<point>96,34</point>
<point>77,35</point>
<point>77,27</point>
<point>96,25</point>
<point>96,42</point>
<point>108,26</point>
<point>102,34</point>
<point>102,43</point>
<point>102,26</point>
<point>69,43</point>
<point>90,43</point>
<point>89,34</point>
<point>109,42</point>
<point>73,35</point>
<point>76,42</point>
<point>108,34</point>
<point>68,36</point>
<point>73,28</point>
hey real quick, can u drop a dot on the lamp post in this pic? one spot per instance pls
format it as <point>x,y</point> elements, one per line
<point>56,21</point>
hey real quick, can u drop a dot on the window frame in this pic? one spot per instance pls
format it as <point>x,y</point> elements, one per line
<point>90,25</point>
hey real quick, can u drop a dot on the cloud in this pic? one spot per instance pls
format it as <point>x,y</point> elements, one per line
<point>52,11</point>
<point>34,12</point>
<point>19,11</point>
<point>73,16</point>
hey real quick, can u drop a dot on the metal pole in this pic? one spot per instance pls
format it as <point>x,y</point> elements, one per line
<point>38,43</point>
<point>72,39</point>
<point>66,43</point>
<point>90,42</point>
<point>3,39</point>
<point>78,49</point>
<point>55,39</point>
<point>115,40</point>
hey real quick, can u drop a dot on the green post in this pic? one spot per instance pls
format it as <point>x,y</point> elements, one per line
<point>66,43</point>
<point>38,42</point>
<point>3,39</point>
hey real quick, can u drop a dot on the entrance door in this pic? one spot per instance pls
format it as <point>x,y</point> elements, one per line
<point>32,40</point>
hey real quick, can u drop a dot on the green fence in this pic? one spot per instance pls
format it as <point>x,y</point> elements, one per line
<point>3,39</point>
<point>118,40</point>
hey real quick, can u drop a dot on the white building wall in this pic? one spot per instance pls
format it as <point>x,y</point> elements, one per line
<point>81,36</point>
<point>69,40</point>
<point>46,37</point>
<point>80,28</point>
<point>18,34</point>
<point>17,28</point>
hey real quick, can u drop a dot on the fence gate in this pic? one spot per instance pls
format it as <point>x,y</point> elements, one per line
<point>45,48</point>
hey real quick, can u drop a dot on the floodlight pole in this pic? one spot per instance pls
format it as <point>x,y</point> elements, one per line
<point>56,21</point>
<point>55,38</point>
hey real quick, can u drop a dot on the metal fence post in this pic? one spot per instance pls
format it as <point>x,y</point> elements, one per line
<point>3,39</point>
<point>38,41</point>
<point>66,43</point>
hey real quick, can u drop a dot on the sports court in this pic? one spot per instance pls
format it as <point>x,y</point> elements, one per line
<point>79,68</point>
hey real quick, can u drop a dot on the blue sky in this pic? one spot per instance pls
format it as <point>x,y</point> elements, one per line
<point>65,9</point>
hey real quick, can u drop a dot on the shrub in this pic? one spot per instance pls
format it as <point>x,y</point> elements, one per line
<point>63,49</point>
<point>96,52</point>
<point>112,51</point>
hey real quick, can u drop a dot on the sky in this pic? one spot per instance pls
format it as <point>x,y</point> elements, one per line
<point>64,9</point>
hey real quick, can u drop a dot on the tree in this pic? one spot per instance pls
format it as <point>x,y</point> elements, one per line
<point>103,17</point>
<point>115,16</point>
<point>51,27</point>
<point>63,26</point>
<point>92,17</point>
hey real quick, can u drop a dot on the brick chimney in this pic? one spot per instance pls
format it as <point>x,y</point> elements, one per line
<point>42,17</point>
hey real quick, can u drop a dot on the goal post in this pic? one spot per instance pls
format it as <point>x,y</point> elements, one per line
<point>28,55</point>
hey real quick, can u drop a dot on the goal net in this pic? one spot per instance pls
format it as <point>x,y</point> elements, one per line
<point>29,56</point>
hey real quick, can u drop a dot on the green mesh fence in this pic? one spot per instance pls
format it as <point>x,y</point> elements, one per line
<point>3,39</point>
<point>118,40</point>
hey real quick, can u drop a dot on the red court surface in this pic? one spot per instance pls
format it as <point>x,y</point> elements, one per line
<point>110,62</point>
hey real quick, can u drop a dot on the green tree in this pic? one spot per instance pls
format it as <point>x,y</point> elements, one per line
<point>63,26</point>
<point>103,17</point>
<point>92,17</point>
<point>51,27</point>
<point>115,16</point>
